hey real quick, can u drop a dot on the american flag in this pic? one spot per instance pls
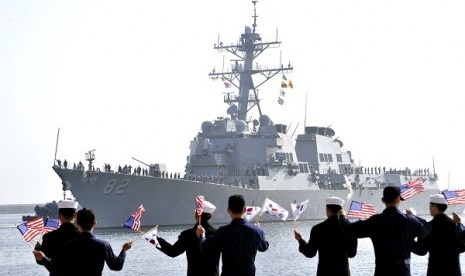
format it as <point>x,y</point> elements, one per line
<point>31,229</point>
<point>454,197</point>
<point>133,222</point>
<point>199,204</point>
<point>51,224</point>
<point>412,188</point>
<point>361,210</point>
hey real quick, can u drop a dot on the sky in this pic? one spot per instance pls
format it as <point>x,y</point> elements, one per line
<point>130,80</point>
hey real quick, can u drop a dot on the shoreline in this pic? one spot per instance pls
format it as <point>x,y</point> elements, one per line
<point>18,208</point>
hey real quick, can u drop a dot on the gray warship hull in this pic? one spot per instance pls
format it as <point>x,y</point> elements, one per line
<point>168,201</point>
<point>243,152</point>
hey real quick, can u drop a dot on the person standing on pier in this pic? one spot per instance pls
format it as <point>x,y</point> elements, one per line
<point>333,245</point>
<point>197,263</point>
<point>238,241</point>
<point>443,244</point>
<point>391,232</point>
<point>54,241</point>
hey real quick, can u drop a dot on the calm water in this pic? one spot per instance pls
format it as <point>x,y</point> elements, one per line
<point>282,258</point>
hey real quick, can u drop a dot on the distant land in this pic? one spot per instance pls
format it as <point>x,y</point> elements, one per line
<point>23,209</point>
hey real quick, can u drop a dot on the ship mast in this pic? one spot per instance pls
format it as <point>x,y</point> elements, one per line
<point>249,47</point>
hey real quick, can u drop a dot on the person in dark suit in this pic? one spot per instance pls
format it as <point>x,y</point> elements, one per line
<point>238,241</point>
<point>391,233</point>
<point>443,244</point>
<point>54,241</point>
<point>197,263</point>
<point>333,245</point>
<point>86,255</point>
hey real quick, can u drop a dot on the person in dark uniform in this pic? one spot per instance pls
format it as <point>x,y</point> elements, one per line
<point>86,255</point>
<point>238,241</point>
<point>391,233</point>
<point>443,244</point>
<point>197,263</point>
<point>54,241</point>
<point>334,246</point>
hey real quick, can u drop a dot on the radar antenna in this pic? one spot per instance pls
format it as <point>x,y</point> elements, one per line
<point>90,156</point>
<point>244,74</point>
<point>254,25</point>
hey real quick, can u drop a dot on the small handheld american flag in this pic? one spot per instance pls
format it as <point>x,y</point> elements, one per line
<point>51,224</point>
<point>199,204</point>
<point>133,222</point>
<point>361,210</point>
<point>31,229</point>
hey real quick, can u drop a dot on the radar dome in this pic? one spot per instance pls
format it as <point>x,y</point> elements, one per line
<point>240,126</point>
<point>232,110</point>
<point>265,120</point>
<point>207,126</point>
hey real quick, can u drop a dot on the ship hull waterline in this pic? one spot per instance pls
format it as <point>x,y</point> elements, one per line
<point>113,197</point>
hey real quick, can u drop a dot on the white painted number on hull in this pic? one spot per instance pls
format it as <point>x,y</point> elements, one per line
<point>116,187</point>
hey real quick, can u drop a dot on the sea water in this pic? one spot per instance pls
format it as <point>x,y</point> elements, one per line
<point>282,257</point>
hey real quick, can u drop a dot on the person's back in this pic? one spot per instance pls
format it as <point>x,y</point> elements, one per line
<point>392,233</point>
<point>86,255</point>
<point>238,241</point>
<point>54,241</point>
<point>333,245</point>
<point>444,247</point>
<point>443,244</point>
<point>197,263</point>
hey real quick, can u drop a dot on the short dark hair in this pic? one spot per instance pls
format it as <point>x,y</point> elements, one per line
<point>67,213</point>
<point>391,193</point>
<point>205,216</point>
<point>85,219</point>
<point>236,204</point>
<point>441,207</point>
<point>333,208</point>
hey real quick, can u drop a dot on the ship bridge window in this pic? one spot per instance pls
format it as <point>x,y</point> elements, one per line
<point>339,158</point>
<point>325,157</point>
<point>303,167</point>
<point>289,157</point>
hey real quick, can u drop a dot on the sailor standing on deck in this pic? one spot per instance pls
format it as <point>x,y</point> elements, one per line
<point>54,241</point>
<point>391,232</point>
<point>443,244</point>
<point>197,263</point>
<point>334,246</point>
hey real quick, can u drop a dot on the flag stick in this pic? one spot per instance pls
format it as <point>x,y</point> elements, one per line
<point>143,233</point>
<point>294,224</point>
<point>30,245</point>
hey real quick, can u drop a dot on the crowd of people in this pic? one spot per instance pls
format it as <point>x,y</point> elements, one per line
<point>74,250</point>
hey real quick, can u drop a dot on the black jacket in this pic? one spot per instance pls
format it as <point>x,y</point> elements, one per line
<point>197,263</point>
<point>53,242</point>
<point>238,243</point>
<point>334,247</point>
<point>86,255</point>
<point>443,245</point>
<point>392,233</point>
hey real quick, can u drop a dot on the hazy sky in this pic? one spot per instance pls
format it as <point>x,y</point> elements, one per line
<point>130,79</point>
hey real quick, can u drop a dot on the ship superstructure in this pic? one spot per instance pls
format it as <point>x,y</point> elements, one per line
<point>238,154</point>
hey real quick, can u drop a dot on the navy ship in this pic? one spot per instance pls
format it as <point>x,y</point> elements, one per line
<point>238,154</point>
